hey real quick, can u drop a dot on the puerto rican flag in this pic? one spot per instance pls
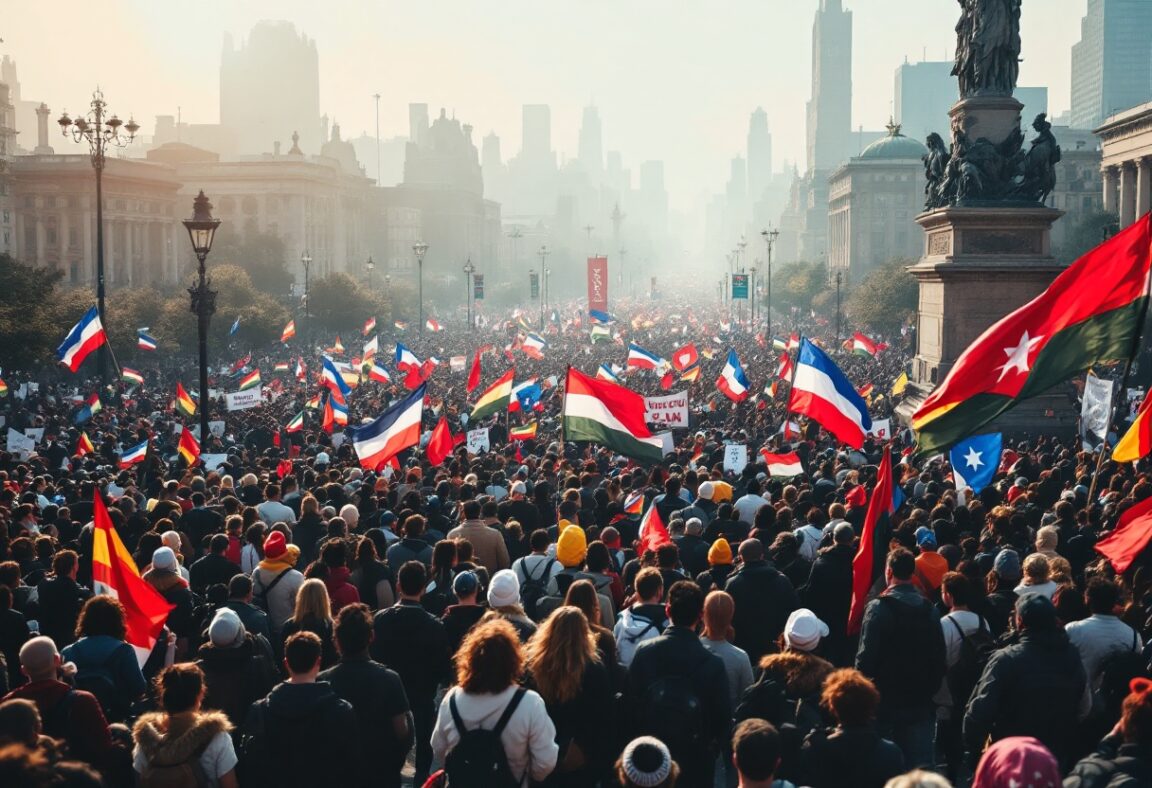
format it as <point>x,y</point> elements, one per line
<point>396,429</point>
<point>821,392</point>
<point>639,358</point>
<point>782,465</point>
<point>85,337</point>
<point>331,377</point>
<point>732,381</point>
<point>136,454</point>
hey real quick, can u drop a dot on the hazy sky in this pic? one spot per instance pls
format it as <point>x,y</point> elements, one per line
<point>674,79</point>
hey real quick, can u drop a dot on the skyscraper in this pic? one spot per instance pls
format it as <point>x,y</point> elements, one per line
<point>830,108</point>
<point>270,88</point>
<point>759,154</point>
<point>591,145</point>
<point>1112,62</point>
<point>924,93</point>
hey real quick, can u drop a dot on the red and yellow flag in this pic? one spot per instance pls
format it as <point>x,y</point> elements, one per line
<point>1137,441</point>
<point>188,447</point>
<point>184,402</point>
<point>84,445</point>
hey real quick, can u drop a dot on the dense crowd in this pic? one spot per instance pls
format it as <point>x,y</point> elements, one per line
<point>488,621</point>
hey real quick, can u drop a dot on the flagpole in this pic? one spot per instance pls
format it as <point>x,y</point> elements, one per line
<point>563,404</point>
<point>791,381</point>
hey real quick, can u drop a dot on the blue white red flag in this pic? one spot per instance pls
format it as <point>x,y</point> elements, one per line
<point>85,337</point>
<point>396,429</point>
<point>732,381</point>
<point>145,342</point>
<point>821,392</point>
<point>600,317</point>
<point>606,373</point>
<point>405,358</point>
<point>130,457</point>
<point>333,379</point>
<point>639,358</point>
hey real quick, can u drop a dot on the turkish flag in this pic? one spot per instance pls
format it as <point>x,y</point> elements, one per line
<point>441,444</point>
<point>1130,536</point>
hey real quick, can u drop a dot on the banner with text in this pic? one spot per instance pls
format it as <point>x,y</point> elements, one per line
<point>669,411</point>
<point>598,283</point>
<point>243,400</point>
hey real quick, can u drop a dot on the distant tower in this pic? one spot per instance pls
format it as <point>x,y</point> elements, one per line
<point>490,153</point>
<point>591,145</point>
<point>417,123</point>
<point>536,141</point>
<point>830,108</point>
<point>759,154</point>
<point>1112,62</point>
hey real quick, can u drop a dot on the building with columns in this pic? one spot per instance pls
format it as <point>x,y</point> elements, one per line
<point>1126,163</point>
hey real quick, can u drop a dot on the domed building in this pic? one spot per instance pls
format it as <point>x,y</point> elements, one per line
<point>873,200</point>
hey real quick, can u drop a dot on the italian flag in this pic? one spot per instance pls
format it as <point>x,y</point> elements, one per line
<point>608,414</point>
<point>863,346</point>
<point>523,433</point>
<point>1091,314</point>
<point>495,398</point>
<point>297,423</point>
<point>251,380</point>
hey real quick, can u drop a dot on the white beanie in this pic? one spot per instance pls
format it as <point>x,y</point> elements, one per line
<point>705,491</point>
<point>226,629</point>
<point>164,558</point>
<point>504,589</point>
<point>804,630</point>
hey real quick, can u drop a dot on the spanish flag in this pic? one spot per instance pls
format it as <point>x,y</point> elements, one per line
<point>189,447</point>
<point>184,402</point>
<point>1137,441</point>
<point>115,574</point>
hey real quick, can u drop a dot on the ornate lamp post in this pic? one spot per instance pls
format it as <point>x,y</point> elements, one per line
<point>306,261</point>
<point>420,249</point>
<point>544,274</point>
<point>469,269</point>
<point>769,237</point>
<point>201,231</point>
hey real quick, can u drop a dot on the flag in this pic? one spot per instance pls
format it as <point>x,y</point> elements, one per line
<point>371,348</point>
<point>609,414</point>
<point>188,447</point>
<point>251,380</point>
<point>339,409</point>
<point>526,396</point>
<point>975,461</point>
<point>235,327</point>
<point>296,424</point>
<point>524,324</point>
<point>495,398</point>
<point>865,391</point>
<point>114,573</point>
<point>533,346</point>
<point>523,433</point>
<point>400,325</point>
<point>433,325</point>
<point>873,551</point>
<point>145,342</point>
<point>784,367</point>
<point>1130,536</point>
<point>85,337</point>
<point>605,373</point>
<point>131,376</point>
<point>379,374</point>
<point>600,332</point>
<point>685,357</point>
<point>653,534</point>
<point>405,359</point>
<point>783,465</point>
<point>1091,313</point>
<point>3,388</point>
<point>130,457</point>
<point>733,383</point>
<point>1137,441</point>
<point>241,363</point>
<point>793,341</point>
<point>91,407</point>
<point>600,317</point>
<point>337,346</point>
<point>84,445</point>
<point>328,418</point>
<point>301,369</point>
<point>281,366</point>
<point>900,384</point>
<point>863,346</point>
<point>313,403</point>
<point>639,358</point>
<point>440,445</point>
<point>369,326</point>
<point>393,431</point>
<point>634,503</point>
<point>333,378</point>
<point>184,402</point>
<point>822,393</point>
<point>691,375</point>
<point>289,331</point>
<point>474,373</point>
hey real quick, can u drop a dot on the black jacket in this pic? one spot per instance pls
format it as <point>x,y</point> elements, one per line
<point>412,642</point>
<point>235,678</point>
<point>828,594</point>
<point>59,603</point>
<point>210,570</point>
<point>693,554</point>
<point>305,534</point>
<point>849,758</point>
<point>1113,765</point>
<point>764,600</point>
<point>199,523</point>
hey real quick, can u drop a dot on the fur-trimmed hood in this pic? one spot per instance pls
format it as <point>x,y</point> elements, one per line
<point>150,732</point>
<point>803,674</point>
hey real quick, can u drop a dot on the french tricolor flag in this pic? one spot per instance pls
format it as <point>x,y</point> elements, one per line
<point>396,429</point>
<point>405,358</point>
<point>136,454</point>
<point>821,392</point>
<point>639,358</point>
<point>732,381</point>
<point>85,337</point>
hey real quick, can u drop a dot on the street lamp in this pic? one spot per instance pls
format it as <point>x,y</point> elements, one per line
<point>420,249</point>
<point>469,269</point>
<point>544,273</point>
<point>99,131</point>
<point>752,313</point>
<point>769,237</point>
<point>201,230</point>
<point>369,267</point>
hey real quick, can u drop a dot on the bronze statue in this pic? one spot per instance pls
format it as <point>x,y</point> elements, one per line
<point>987,47</point>
<point>1039,169</point>
<point>935,171</point>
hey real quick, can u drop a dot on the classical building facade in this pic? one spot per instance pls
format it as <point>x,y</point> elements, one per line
<point>1079,183</point>
<point>1127,163</point>
<point>7,150</point>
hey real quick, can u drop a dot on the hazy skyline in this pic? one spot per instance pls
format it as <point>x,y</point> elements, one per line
<point>674,81</point>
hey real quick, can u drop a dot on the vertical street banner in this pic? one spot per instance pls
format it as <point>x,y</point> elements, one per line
<point>478,286</point>
<point>598,283</point>
<point>740,286</point>
<point>534,284</point>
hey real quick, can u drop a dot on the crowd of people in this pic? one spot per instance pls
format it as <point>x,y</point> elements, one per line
<point>488,621</point>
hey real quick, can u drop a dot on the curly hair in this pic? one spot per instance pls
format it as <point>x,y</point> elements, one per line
<point>850,697</point>
<point>101,615</point>
<point>490,659</point>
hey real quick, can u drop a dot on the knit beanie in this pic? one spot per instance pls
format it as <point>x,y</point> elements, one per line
<point>226,629</point>
<point>646,762</point>
<point>720,553</point>
<point>164,558</point>
<point>571,547</point>
<point>275,545</point>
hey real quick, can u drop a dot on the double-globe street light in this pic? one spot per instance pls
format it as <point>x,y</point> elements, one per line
<point>201,230</point>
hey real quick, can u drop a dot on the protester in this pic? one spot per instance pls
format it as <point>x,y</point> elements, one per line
<point>106,665</point>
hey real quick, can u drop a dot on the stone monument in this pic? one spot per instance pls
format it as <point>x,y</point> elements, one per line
<point>987,246</point>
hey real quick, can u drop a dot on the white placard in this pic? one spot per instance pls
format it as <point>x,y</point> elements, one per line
<point>35,433</point>
<point>881,429</point>
<point>216,428</point>
<point>478,441</point>
<point>669,443</point>
<point>1096,412</point>
<point>213,461</point>
<point>735,457</point>
<point>22,391</point>
<point>457,363</point>
<point>33,388</point>
<point>338,439</point>
<point>243,400</point>
<point>20,445</point>
<point>670,411</point>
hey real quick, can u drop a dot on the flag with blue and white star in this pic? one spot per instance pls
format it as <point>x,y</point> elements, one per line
<point>975,460</point>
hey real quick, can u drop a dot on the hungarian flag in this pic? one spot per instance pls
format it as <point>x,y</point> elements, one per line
<point>289,331</point>
<point>653,533</point>
<point>1130,536</point>
<point>495,398</point>
<point>863,346</point>
<point>131,376</point>
<point>523,433</point>
<point>184,402</point>
<point>188,447</point>
<point>1137,441</point>
<point>474,373</point>
<point>251,380</point>
<point>84,445</point>
<point>281,366</point>
<point>296,424</point>
<point>608,414</point>
<point>114,573</point>
<point>1092,313</point>
<point>873,552</point>
<point>440,445</point>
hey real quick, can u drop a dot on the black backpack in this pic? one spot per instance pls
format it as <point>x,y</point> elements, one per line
<point>478,760</point>
<point>1116,672</point>
<point>672,711</point>
<point>975,651</point>
<point>535,588</point>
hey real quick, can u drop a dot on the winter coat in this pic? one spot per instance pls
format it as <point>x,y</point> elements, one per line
<point>235,678</point>
<point>414,644</point>
<point>156,746</point>
<point>637,624</point>
<point>828,594</point>
<point>849,758</point>
<point>1113,765</point>
<point>281,600</point>
<point>340,591</point>
<point>764,600</point>
<point>400,553</point>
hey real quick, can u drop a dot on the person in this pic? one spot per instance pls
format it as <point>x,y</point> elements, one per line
<point>750,503</point>
<point>902,650</point>
<point>582,595</point>
<point>647,763</point>
<point>239,602</point>
<point>719,567</point>
<point>682,689</point>
<point>718,611</point>
<point>466,613</point>
<point>853,754</point>
<point>300,718</point>
<point>764,599</point>
<point>276,581</point>
<point>214,567</point>
<point>1034,687</point>
<point>517,507</point>
<point>930,565</point>
<point>60,599</point>
<point>645,619</point>
<point>692,548</point>
<point>1001,588</point>
<point>166,578</point>
<point>412,642</point>
<point>334,557</point>
<point>413,547</point>
<point>756,755</point>
<point>1018,760</point>
<point>1123,758</point>
<point>14,632</point>
<point>486,696</point>
<point>377,696</point>
<point>1102,634</point>
<point>374,581</point>
<point>918,778</point>
<point>536,570</point>
<point>491,551</point>
<point>200,522</point>
<point>313,613</point>
<point>504,602</point>
<point>306,533</point>
<point>1036,577</point>
<point>237,665</point>
<point>964,630</point>
<point>181,741</point>
<point>828,592</point>
<point>272,511</point>
<point>106,664</point>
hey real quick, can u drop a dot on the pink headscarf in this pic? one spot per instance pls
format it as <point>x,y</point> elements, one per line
<point>1018,761</point>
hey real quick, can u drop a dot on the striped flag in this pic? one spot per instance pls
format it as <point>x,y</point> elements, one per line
<point>396,429</point>
<point>134,455</point>
<point>782,465</point>
<point>1137,441</point>
<point>605,373</point>
<point>378,374</point>
<point>281,366</point>
<point>84,445</point>
<point>296,424</point>
<point>289,331</point>
<point>611,415</point>
<point>634,503</point>
<point>338,347</point>
<point>653,533</point>
<point>184,402</point>
<point>84,338</point>
<point>369,326</point>
<point>525,433</point>
<point>131,376</point>
<point>145,342</point>
<point>251,380</point>
<point>495,398</point>
<point>3,388</point>
<point>188,447</point>
<point>863,346</point>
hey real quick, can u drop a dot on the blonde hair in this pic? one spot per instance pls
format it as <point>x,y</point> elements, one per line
<point>559,652</point>
<point>1036,569</point>
<point>312,600</point>
<point>309,504</point>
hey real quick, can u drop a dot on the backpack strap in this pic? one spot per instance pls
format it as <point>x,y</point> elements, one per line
<point>509,710</point>
<point>457,720</point>
<point>543,574</point>
<point>268,588</point>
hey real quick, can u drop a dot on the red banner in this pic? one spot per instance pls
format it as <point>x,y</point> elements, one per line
<point>598,283</point>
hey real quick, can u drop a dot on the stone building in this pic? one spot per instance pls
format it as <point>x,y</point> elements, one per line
<point>1127,163</point>
<point>7,151</point>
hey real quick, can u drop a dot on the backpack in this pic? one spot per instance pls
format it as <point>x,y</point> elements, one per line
<point>765,699</point>
<point>260,598</point>
<point>975,650</point>
<point>98,680</point>
<point>535,587</point>
<point>1116,672</point>
<point>627,643</point>
<point>166,772</point>
<point>437,600</point>
<point>672,711</point>
<point>478,760</point>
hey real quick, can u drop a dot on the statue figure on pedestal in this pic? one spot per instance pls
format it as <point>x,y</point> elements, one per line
<point>1039,177</point>
<point>987,47</point>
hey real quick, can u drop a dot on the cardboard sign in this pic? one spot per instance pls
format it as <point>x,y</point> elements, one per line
<point>457,363</point>
<point>668,411</point>
<point>35,433</point>
<point>243,400</point>
<point>881,429</point>
<point>478,441</point>
<point>216,428</point>
<point>213,461</point>
<point>20,445</point>
<point>735,457</point>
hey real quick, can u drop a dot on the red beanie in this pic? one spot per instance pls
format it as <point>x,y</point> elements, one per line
<point>275,545</point>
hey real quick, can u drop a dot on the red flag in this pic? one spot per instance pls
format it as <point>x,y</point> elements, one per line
<point>873,551</point>
<point>1130,536</point>
<point>114,573</point>
<point>329,422</point>
<point>441,444</point>
<point>283,468</point>
<point>519,454</point>
<point>653,534</point>
<point>474,373</point>
<point>667,381</point>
